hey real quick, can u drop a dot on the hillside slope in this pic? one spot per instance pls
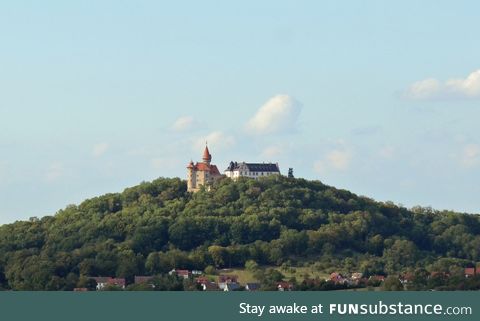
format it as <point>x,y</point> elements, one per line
<point>156,226</point>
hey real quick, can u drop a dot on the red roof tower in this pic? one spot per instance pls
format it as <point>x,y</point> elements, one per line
<point>207,158</point>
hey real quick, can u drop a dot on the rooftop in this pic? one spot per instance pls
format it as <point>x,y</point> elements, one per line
<point>253,167</point>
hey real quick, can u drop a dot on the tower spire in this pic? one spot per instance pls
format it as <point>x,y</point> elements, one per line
<point>207,157</point>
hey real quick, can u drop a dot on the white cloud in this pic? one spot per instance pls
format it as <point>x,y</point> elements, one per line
<point>432,88</point>
<point>99,149</point>
<point>184,123</point>
<point>279,114</point>
<point>54,171</point>
<point>469,87</point>
<point>217,140</point>
<point>337,159</point>
<point>470,155</point>
<point>424,89</point>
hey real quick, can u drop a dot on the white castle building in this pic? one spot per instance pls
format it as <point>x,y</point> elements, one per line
<point>204,173</point>
<point>251,170</point>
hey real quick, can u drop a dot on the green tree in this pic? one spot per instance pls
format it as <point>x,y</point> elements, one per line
<point>251,266</point>
<point>401,254</point>
<point>392,283</point>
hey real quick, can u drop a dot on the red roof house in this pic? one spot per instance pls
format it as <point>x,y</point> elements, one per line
<point>469,272</point>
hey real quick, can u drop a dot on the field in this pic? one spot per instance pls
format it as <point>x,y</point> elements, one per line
<point>300,273</point>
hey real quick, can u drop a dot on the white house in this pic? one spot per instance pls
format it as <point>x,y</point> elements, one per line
<point>251,170</point>
<point>103,282</point>
<point>231,287</point>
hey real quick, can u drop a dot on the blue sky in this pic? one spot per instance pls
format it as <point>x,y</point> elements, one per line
<point>379,98</point>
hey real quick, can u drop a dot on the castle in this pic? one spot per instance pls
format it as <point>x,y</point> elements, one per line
<point>205,173</point>
<point>202,174</point>
<point>251,170</point>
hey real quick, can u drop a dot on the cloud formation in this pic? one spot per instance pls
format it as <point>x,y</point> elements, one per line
<point>217,140</point>
<point>470,155</point>
<point>434,89</point>
<point>279,114</point>
<point>337,159</point>
<point>99,149</point>
<point>184,123</point>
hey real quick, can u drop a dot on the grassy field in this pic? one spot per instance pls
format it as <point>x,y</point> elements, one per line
<point>244,276</point>
<point>300,273</point>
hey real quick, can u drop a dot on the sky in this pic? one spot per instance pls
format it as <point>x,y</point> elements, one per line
<point>380,98</point>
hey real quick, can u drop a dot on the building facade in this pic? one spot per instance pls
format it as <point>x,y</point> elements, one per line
<point>251,170</point>
<point>202,173</point>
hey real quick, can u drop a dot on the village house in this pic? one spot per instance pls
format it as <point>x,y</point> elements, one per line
<point>377,278</point>
<point>202,280</point>
<point>231,287</point>
<point>185,274</point>
<point>406,278</point>
<point>337,278</point>
<point>144,280</point>
<point>252,287</point>
<point>436,274</point>
<point>470,272</point>
<point>210,286</point>
<point>356,279</point>
<point>103,282</point>
<point>223,280</point>
<point>206,284</point>
<point>356,276</point>
<point>284,286</point>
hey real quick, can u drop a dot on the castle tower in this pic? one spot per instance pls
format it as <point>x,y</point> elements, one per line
<point>207,157</point>
<point>202,173</point>
<point>191,176</point>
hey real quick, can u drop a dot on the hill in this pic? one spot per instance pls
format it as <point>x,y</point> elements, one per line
<point>277,221</point>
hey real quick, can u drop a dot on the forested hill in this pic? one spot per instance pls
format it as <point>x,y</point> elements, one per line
<point>154,227</point>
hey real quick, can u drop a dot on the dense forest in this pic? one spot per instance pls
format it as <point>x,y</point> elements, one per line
<point>156,226</point>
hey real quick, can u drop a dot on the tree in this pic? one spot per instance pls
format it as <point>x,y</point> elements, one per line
<point>167,283</point>
<point>152,264</point>
<point>251,266</point>
<point>128,264</point>
<point>85,282</point>
<point>210,270</point>
<point>401,254</point>
<point>420,279</point>
<point>157,226</point>
<point>140,287</point>
<point>392,283</point>
<point>218,254</point>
